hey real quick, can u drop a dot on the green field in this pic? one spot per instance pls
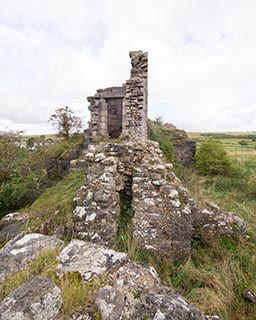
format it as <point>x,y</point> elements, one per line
<point>235,143</point>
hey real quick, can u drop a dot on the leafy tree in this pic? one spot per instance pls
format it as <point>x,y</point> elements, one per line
<point>212,159</point>
<point>66,122</point>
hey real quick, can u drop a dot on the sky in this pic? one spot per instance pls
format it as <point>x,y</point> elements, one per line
<point>202,59</point>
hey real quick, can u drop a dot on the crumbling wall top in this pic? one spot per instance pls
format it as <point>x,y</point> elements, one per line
<point>139,61</point>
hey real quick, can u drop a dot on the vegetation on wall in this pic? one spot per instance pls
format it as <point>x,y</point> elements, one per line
<point>164,136</point>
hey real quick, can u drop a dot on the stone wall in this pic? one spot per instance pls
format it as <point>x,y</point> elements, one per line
<point>135,170</point>
<point>103,105</point>
<point>122,111</point>
<point>165,217</point>
<point>185,152</point>
<point>136,109</point>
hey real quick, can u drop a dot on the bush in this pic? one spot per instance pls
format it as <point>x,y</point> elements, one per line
<point>24,175</point>
<point>212,159</point>
<point>243,143</point>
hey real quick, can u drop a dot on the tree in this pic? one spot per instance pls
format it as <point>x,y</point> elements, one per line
<point>212,159</point>
<point>66,122</point>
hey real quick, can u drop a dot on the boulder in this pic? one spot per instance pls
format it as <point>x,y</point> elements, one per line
<point>23,248</point>
<point>89,259</point>
<point>138,279</point>
<point>134,291</point>
<point>212,222</point>
<point>11,224</point>
<point>37,299</point>
<point>165,307</point>
<point>114,303</point>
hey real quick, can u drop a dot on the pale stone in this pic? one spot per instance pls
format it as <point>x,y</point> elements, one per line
<point>22,249</point>
<point>37,299</point>
<point>89,259</point>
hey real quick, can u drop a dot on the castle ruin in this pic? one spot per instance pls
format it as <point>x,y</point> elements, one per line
<point>132,178</point>
<point>122,111</point>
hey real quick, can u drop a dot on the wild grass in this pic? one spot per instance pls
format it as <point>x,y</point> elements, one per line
<point>43,266</point>
<point>217,273</point>
<point>75,294</point>
<point>55,205</point>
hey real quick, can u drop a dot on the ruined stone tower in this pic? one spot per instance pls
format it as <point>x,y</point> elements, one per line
<point>122,111</point>
<point>130,180</point>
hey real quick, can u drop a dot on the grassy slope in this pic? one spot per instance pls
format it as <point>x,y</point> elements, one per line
<point>216,274</point>
<point>55,205</point>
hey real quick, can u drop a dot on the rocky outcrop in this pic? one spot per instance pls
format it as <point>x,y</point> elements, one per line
<point>165,307</point>
<point>37,299</point>
<point>212,222</point>
<point>127,290</point>
<point>89,259</point>
<point>184,148</point>
<point>130,290</point>
<point>23,248</point>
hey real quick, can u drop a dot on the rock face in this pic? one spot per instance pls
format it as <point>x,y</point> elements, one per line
<point>89,259</point>
<point>212,222</point>
<point>122,110</point>
<point>135,292</point>
<point>165,307</point>
<point>37,299</point>
<point>130,291</point>
<point>23,248</point>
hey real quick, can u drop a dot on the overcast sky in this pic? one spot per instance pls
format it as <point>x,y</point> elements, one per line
<point>202,59</point>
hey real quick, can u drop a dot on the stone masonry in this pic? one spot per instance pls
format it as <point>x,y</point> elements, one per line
<point>165,217</point>
<point>122,111</point>
<point>135,171</point>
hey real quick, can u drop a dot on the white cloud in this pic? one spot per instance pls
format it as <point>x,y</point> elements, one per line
<point>202,57</point>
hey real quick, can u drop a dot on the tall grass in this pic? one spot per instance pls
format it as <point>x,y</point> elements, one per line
<point>217,273</point>
<point>55,206</point>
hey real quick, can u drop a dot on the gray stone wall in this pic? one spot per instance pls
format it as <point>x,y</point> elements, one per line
<point>185,152</point>
<point>106,108</point>
<point>117,111</point>
<point>136,109</point>
<point>161,222</point>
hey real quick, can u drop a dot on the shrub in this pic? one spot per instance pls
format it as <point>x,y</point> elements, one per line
<point>243,143</point>
<point>212,159</point>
